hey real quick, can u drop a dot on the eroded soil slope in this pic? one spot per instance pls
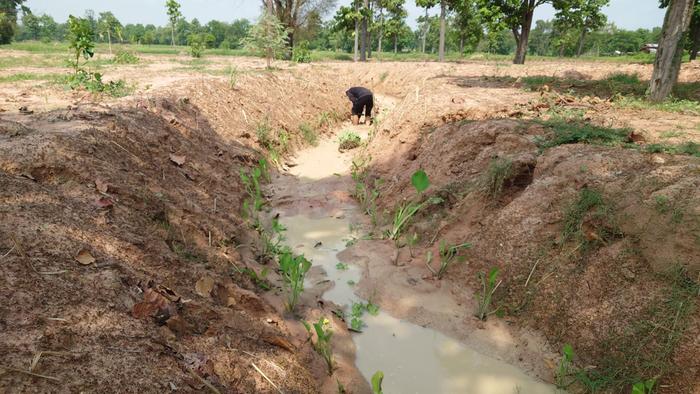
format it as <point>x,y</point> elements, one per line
<point>123,252</point>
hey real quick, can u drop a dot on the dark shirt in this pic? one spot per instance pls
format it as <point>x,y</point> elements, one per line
<point>357,92</point>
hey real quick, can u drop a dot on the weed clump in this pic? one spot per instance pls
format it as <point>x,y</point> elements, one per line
<point>499,171</point>
<point>310,135</point>
<point>589,220</point>
<point>575,131</point>
<point>349,140</point>
<point>124,57</point>
<point>323,341</point>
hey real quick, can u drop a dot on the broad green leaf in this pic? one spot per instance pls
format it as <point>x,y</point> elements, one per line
<point>493,275</point>
<point>568,351</point>
<point>420,181</point>
<point>377,380</point>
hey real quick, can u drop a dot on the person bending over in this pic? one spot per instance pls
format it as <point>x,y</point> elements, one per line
<point>361,98</point>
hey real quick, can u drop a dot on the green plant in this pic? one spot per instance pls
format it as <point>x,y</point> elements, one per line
<point>272,241</point>
<point>407,210</point>
<point>341,266</point>
<point>488,288</point>
<point>251,183</point>
<point>356,312</point>
<point>293,269</point>
<point>574,131</point>
<point>124,57</point>
<point>377,380</point>
<point>198,43</point>
<point>591,208</point>
<point>323,341</point>
<point>448,253</point>
<point>309,134</point>
<point>499,171</point>
<point>564,370</point>
<point>644,387</point>
<point>80,39</point>
<point>662,204</point>
<point>349,140</point>
<point>267,37</point>
<point>411,241</point>
<point>301,52</point>
<point>233,75</point>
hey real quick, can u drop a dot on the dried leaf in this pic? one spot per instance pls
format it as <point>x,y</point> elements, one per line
<point>104,202</point>
<point>203,286</point>
<point>154,305</point>
<point>101,185</point>
<point>84,257</point>
<point>178,159</point>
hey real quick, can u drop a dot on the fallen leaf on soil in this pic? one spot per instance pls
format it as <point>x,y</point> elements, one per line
<point>278,341</point>
<point>178,159</point>
<point>104,202</point>
<point>153,305</point>
<point>84,257</point>
<point>203,286</point>
<point>101,185</point>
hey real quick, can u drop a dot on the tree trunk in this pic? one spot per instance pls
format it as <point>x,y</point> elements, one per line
<point>668,57</point>
<point>461,45</point>
<point>381,31</point>
<point>269,57</point>
<point>425,31</point>
<point>357,34</point>
<point>290,38</point>
<point>695,37</point>
<point>396,43</point>
<point>581,40</point>
<point>443,12</point>
<point>172,30</point>
<point>523,36</point>
<point>109,39</point>
<point>363,41</point>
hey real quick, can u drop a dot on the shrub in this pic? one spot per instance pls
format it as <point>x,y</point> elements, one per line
<point>301,52</point>
<point>124,57</point>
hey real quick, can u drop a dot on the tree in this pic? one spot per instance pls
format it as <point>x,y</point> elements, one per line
<point>582,16</point>
<point>30,23</point>
<point>8,19</point>
<point>109,25</point>
<point>668,57</point>
<point>466,22</point>
<point>695,31</point>
<point>295,13</point>
<point>347,19</point>
<point>81,39</point>
<point>516,15</point>
<point>174,14</point>
<point>396,23</point>
<point>425,21</point>
<point>268,37</point>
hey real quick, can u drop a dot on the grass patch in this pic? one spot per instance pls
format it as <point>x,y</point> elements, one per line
<point>589,220</point>
<point>688,148</point>
<point>691,107</point>
<point>646,348</point>
<point>499,171</point>
<point>573,131</point>
<point>309,133</point>
<point>618,85</point>
<point>29,77</point>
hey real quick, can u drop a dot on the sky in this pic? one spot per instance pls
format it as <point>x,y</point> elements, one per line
<point>627,14</point>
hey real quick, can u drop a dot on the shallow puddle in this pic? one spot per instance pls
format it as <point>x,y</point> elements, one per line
<point>414,359</point>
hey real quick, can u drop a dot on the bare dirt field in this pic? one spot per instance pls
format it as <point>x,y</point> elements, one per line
<point>127,264</point>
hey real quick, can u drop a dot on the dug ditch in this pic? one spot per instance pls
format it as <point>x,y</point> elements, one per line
<point>315,206</point>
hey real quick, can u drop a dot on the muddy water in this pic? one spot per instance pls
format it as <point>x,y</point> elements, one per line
<point>414,359</point>
<point>316,211</point>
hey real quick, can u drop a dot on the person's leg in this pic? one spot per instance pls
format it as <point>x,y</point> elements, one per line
<point>357,111</point>
<point>368,110</point>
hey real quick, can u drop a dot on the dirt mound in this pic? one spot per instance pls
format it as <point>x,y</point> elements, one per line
<point>591,241</point>
<point>124,256</point>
